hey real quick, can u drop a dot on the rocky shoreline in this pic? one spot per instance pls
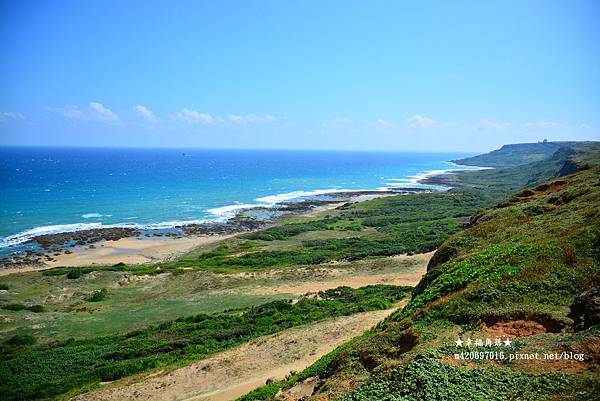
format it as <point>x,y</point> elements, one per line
<point>245,220</point>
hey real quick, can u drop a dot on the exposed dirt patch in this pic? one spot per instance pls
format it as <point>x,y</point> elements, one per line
<point>235,372</point>
<point>514,328</point>
<point>543,189</point>
<point>591,349</point>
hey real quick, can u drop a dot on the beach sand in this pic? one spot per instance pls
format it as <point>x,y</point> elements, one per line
<point>132,250</point>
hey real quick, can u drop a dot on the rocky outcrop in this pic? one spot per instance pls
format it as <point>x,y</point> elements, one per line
<point>83,237</point>
<point>585,311</point>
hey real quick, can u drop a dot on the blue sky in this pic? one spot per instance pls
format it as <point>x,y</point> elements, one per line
<point>390,75</point>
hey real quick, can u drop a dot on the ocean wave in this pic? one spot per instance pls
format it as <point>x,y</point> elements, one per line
<point>95,215</point>
<point>289,196</point>
<point>28,235</point>
<point>418,178</point>
<point>226,212</point>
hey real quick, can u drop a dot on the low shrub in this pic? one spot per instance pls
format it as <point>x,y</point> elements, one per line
<point>21,339</point>
<point>98,296</point>
<point>14,307</point>
<point>74,274</point>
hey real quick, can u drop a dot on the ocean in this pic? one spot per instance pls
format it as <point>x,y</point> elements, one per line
<point>49,190</point>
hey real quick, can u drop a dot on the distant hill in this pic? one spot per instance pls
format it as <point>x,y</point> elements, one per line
<point>515,154</point>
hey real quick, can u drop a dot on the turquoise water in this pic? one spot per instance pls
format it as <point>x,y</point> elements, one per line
<point>47,190</point>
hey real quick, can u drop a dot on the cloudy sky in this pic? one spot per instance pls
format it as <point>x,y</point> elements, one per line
<point>383,75</point>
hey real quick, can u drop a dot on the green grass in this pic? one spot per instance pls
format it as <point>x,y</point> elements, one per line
<point>35,373</point>
<point>515,155</point>
<point>132,303</point>
<point>425,378</point>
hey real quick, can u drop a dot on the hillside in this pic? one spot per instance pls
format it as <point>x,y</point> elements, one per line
<point>514,274</point>
<point>515,154</point>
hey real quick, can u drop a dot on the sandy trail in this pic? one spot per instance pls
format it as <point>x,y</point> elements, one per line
<point>232,373</point>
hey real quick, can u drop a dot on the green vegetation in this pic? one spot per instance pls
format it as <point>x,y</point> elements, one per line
<point>515,154</point>
<point>35,373</point>
<point>493,263</point>
<point>136,301</point>
<point>427,379</point>
<point>14,307</point>
<point>99,295</point>
<point>381,227</point>
<point>19,340</point>
<point>524,259</point>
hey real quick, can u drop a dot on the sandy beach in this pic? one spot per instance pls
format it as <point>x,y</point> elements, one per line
<point>132,250</point>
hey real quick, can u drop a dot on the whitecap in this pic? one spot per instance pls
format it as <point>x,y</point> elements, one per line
<point>95,215</point>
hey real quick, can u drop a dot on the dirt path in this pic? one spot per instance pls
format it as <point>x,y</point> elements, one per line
<point>235,372</point>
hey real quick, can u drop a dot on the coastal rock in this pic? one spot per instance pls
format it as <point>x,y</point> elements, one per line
<point>85,236</point>
<point>585,311</point>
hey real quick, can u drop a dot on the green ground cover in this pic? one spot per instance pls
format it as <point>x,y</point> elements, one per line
<point>31,372</point>
<point>524,259</point>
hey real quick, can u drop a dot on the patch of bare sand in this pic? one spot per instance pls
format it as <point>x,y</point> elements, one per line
<point>232,373</point>
<point>132,250</point>
<point>353,278</point>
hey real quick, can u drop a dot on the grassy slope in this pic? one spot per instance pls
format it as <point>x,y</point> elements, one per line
<point>525,259</point>
<point>515,154</point>
<point>30,372</point>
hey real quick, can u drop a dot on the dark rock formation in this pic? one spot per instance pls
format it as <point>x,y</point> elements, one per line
<point>85,236</point>
<point>585,311</point>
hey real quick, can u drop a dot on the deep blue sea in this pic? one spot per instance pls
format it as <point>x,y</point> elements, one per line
<point>47,190</point>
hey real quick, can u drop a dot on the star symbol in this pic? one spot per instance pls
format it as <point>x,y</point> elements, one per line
<point>459,342</point>
<point>507,342</point>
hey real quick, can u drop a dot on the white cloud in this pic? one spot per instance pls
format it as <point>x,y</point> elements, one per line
<point>147,115</point>
<point>6,116</point>
<point>419,121</point>
<point>94,112</point>
<point>252,119</point>
<point>488,125</point>
<point>192,117</point>
<point>103,113</point>
<point>546,125</point>
<point>384,123</point>
<point>70,112</point>
<point>338,121</point>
